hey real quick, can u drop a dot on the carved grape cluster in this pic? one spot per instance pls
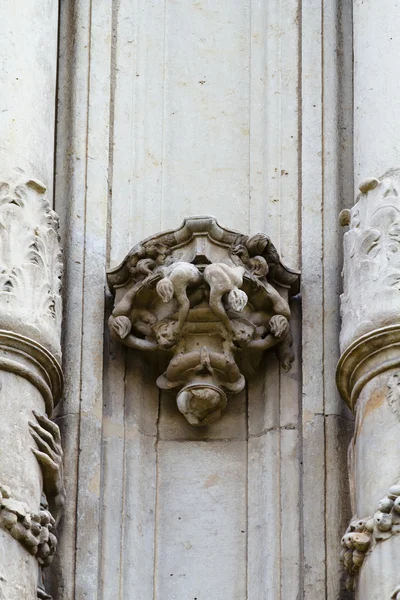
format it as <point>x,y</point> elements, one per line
<point>35,530</point>
<point>363,534</point>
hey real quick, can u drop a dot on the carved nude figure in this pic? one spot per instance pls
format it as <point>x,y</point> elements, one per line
<point>177,278</point>
<point>222,280</point>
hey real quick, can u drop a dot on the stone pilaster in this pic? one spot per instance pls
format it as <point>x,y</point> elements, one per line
<point>31,489</point>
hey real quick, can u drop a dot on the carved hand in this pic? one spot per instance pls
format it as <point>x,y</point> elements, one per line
<point>279,325</point>
<point>50,457</point>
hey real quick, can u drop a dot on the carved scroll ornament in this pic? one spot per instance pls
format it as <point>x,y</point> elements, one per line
<point>210,300</point>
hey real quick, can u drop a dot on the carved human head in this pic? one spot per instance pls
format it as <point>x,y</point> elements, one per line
<point>201,404</point>
<point>165,332</point>
<point>243,331</point>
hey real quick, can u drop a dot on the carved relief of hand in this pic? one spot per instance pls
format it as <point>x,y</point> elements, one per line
<point>49,454</point>
<point>278,325</point>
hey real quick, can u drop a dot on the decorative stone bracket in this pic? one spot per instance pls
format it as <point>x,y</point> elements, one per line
<point>211,301</point>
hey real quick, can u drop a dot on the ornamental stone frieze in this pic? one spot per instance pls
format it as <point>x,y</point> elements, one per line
<point>211,302</point>
<point>368,378</point>
<point>31,474</point>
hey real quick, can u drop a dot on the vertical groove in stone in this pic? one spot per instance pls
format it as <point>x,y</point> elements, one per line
<point>338,183</point>
<point>326,178</point>
<point>312,304</point>
<point>69,204</point>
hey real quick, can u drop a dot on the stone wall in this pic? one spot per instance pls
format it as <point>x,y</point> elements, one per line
<point>241,110</point>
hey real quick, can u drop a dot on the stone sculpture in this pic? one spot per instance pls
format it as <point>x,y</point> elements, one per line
<point>212,301</point>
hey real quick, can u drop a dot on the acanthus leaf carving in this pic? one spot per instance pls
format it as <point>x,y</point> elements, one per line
<point>213,301</point>
<point>31,265</point>
<point>372,258</point>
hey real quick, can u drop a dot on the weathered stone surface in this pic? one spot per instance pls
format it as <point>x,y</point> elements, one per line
<point>30,296</point>
<point>193,108</point>
<point>208,299</point>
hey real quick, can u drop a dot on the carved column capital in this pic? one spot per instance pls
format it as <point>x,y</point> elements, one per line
<point>30,285</point>
<point>370,334</point>
<point>211,301</point>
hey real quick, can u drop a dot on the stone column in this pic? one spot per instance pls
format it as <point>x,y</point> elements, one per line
<point>30,302</point>
<point>369,368</point>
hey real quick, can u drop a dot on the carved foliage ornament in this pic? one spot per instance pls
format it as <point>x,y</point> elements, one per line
<point>363,534</point>
<point>209,299</point>
<point>371,272</point>
<point>35,530</point>
<point>31,266</point>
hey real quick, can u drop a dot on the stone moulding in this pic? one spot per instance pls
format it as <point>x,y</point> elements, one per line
<point>29,359</point>
<point>396,593</point>
<point>362,535</point>
<point>368,356</point>
<point>211,301</point>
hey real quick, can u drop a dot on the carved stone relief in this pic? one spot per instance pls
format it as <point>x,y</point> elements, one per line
<point>35,530</point>
<point>30,329</point>
<point>49,454</point>
<point>210,301</point>
<point>363,534</point>
<point>371,258</point>
<point>31,266</point>
<point>393,396</point>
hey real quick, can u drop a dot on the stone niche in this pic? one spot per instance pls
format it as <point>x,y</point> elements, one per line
<point>209,302</point>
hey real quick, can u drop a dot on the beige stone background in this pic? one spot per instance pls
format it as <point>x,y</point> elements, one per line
<point>241,109</point>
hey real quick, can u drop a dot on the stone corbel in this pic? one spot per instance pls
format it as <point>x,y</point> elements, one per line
<point>368,378</point>
<point>32,491</point>
<point>211,301</point>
